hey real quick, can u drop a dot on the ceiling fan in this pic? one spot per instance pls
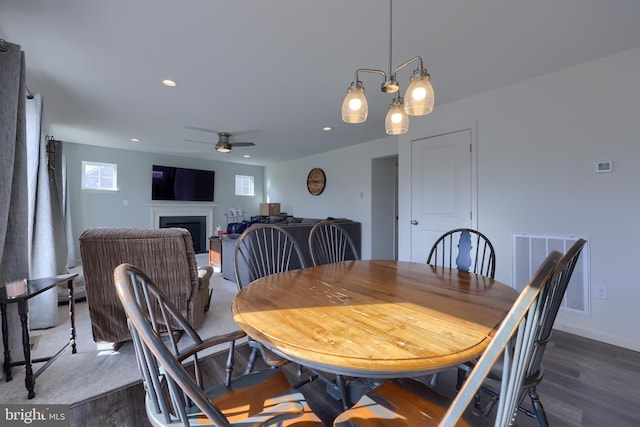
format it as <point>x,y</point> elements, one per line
<point>224,145</point>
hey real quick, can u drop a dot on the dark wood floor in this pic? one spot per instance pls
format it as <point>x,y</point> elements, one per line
<point>587,383</point>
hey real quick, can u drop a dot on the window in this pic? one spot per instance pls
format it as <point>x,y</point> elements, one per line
<point>244,185</point>
<point>99,176</point>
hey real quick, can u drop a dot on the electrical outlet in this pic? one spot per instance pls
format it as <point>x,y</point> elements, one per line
<point>602,292</point>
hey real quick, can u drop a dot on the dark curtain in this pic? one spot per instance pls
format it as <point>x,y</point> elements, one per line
<point>13,179</point>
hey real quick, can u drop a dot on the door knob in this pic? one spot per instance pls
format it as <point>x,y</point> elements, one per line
<point>414,222</point>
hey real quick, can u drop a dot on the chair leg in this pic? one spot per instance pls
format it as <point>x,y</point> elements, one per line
<point>493,399</point>
<point>342,389</point>
<point>433,381</point>
<point>462,374</point>
<point>206,307</point>
<point>252,360</point>
<point>229,365</point>
<point>541,416</point>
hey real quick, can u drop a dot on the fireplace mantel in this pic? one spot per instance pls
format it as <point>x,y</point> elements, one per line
<point>182,209</point>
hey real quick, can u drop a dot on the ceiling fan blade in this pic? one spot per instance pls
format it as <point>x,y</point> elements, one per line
<point>200,142</point>
<point>201,129</point>
<point>242,144</point>
<point>240,132</point>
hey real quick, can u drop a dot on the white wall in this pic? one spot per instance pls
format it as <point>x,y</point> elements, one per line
<point>538,143</point>
<point>348,190</point>
<point>130,206</point>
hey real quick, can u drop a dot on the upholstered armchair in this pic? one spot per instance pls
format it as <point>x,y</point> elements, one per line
<point>166,254</point>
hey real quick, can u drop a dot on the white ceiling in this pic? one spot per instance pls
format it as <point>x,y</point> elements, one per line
<point>275,72</point>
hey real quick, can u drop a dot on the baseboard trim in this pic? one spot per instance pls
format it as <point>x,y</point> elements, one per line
<point>606,338</point>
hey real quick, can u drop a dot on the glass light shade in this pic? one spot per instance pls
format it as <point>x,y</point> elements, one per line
<point>223,149</point>
<point>419,97</point>
<point>397,121</point>
<point>354,107</point>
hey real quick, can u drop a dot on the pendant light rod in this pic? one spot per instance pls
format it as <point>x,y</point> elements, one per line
<point>369,70</point>
<point>404,64</point>
<point>391,37</point>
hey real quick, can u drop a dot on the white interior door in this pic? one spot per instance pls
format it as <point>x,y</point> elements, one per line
<point>442,188</point>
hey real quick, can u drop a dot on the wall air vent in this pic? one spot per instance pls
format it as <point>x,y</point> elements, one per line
<point>530,250</point>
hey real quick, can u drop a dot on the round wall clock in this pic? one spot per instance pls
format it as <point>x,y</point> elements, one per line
<point>316,181</point>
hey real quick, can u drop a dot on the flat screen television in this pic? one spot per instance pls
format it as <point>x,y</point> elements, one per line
<point>182,184</point>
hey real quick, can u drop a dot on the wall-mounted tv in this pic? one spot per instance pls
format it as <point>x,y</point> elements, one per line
<point>183,184</point>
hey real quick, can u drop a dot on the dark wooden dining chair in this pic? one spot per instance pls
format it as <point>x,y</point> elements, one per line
<point>408,402</point>
<point>262,250</point>
<point>534,371</point>
<point>329,243</point>
<point>468,250</point>
<point>465,249</point>
<point>173,378</point>
<point>265,249</point>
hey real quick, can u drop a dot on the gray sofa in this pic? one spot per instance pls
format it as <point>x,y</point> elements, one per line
<point>299,229</point>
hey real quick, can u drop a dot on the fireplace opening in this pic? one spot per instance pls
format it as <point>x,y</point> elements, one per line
<point>197,226</point>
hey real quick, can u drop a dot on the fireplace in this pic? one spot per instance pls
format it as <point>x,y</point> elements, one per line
<point>197,226</point>
<point>195,217</point>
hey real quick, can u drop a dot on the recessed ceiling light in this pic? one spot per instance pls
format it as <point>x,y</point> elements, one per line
<point>327,128</point>
<point>246,156</point>
<point>169,83</point>
<point>135,140</point>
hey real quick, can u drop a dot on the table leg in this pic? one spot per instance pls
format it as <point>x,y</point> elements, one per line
<point>29,379</point>
<point>72,316</point>
<point>5,342</point>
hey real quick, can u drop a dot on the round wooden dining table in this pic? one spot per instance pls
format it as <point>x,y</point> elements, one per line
<point>374,319</point>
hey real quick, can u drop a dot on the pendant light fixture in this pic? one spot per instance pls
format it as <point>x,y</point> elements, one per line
<point>418,99</point>
<point>354,106</point>
<point>397,121</point>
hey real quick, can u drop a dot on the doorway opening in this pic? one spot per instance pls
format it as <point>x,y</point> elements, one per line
<point>384,208</point>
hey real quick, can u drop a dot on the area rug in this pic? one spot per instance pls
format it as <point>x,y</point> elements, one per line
<point>97,369</point>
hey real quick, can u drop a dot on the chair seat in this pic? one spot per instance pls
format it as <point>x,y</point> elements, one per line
<point>404,403</point>
<point>250,400</point>
<point>255,393</point>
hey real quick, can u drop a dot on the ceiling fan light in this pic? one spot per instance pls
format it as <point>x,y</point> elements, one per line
<point>223,148</point>
<point>355,107</point>
<point>397,121</point>
<point>419,97</point>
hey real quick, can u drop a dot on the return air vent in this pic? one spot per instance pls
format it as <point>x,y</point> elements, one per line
<point>530,250</point>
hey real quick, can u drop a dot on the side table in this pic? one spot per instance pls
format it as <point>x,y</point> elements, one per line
<point>34,287</point>
<point>215,251</point>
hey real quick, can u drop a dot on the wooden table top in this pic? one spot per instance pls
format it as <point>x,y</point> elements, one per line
<point>374,319</point>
